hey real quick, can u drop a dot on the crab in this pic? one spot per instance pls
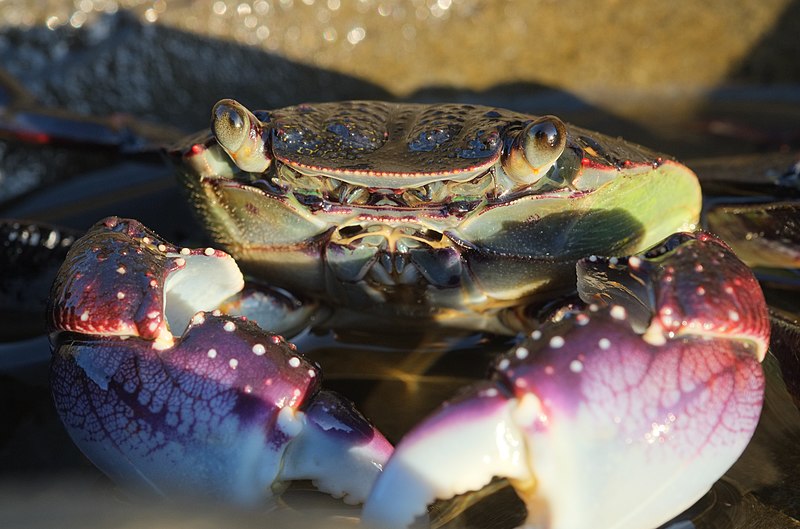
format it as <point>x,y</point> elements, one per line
<point>400,215</point>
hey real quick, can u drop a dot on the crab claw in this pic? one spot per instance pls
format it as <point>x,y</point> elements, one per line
<point>224,410</point>
<point>593,424</point>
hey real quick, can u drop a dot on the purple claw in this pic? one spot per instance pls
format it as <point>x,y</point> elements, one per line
<point>225,410</point>
<point>594,423</point>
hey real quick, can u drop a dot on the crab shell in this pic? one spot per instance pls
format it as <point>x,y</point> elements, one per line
<point>443,211</point>
<point>595,424</point>
<point>225,410</point>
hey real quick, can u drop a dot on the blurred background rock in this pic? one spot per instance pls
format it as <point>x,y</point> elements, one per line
<point>653,63</point>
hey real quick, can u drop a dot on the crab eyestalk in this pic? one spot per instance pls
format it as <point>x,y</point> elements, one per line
<point>240,134</point>
<point>223,410</point>
<point>534,150</point>
<point>594,423</point>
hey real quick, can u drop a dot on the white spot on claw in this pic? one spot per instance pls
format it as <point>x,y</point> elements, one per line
<point>259,349</point>
<point>229,326</point>
<point>576,366</point>
<point>289,421</point>
<point>312,373</point>
<point>185,251</point>
<point>529,410</point>
<point>198,319</point>
<point>733,315</point>
<point>121,270</point>
<point>522,353</point>
<point>618,312</point>
<point>234,363</point>
<point>503,364</point>
<point>85,315</point>
<point>536,334</point>
<point>248,388</point>
<point>556,342</point>
<point>153,314</point>
<point>209,251</point>
<point>634,262</point>
<point>120,295</point>
<point>162,248</point>
<point>294,362</point>
<point>604,343</point>
<point>180,261</point>
<point>212,353</point>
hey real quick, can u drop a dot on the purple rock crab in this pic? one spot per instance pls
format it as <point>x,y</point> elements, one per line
<point>433,215</point>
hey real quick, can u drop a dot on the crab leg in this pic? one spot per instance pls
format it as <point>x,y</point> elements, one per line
<point>606,427</point>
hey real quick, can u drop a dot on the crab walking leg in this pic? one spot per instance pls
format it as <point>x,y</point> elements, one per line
<point>612,428</point>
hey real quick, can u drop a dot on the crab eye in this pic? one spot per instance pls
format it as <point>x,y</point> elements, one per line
<point>228,125</point>
<point>544,141</point>
<point>239,133</point>
<point>534,150</point>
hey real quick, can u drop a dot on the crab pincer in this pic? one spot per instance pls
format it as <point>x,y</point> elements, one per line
<point>604,418</point>
<point>221,409</point>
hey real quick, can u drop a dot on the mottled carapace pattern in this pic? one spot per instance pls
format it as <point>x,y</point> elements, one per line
<point>391,138</point>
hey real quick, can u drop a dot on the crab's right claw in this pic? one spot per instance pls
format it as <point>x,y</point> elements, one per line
<point>596,421</point>
<point>461,448</point>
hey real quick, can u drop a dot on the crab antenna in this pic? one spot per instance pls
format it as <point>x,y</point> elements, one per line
<point>239,133</point>
<point>535,149</point>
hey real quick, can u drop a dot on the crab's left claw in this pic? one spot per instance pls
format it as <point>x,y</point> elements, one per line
<point>221,409</point>
<point>337,449</point>
<point>598,424</point>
